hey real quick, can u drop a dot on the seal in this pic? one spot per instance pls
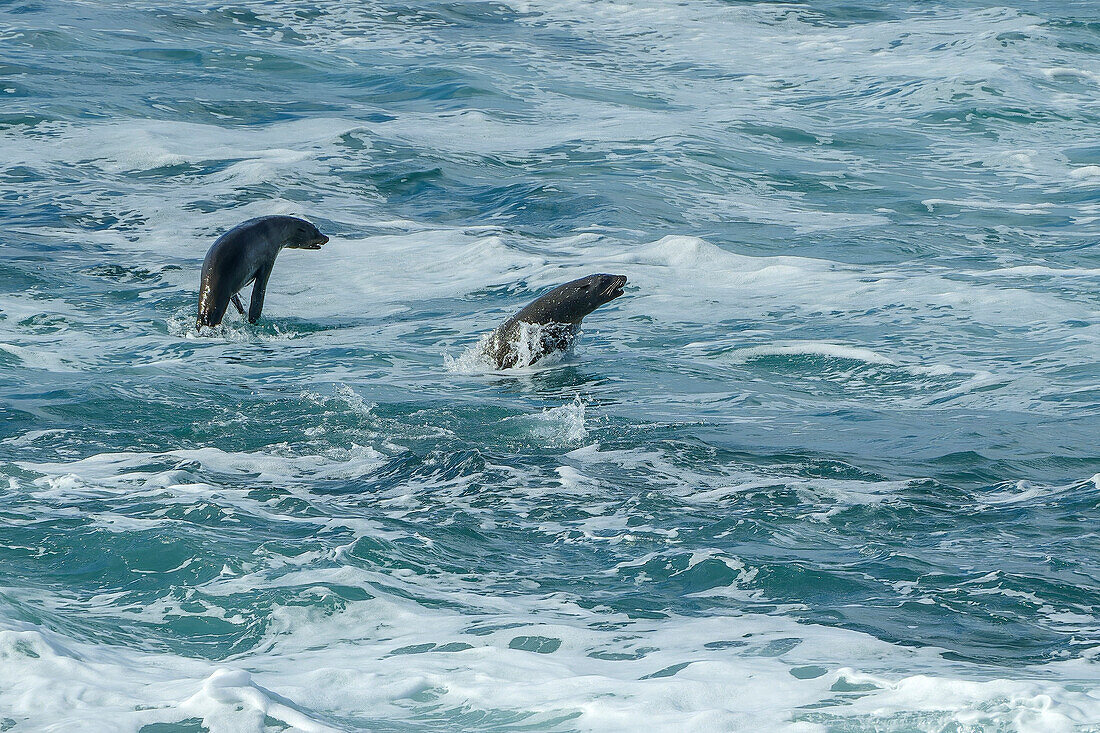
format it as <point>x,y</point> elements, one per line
<point>245,254</point>
<point>557,315</point>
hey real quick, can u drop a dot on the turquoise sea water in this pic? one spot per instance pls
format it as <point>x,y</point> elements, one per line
<point>831,464</point>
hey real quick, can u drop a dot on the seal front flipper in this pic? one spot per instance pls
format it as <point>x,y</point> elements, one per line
<point>259,288</point>
<point>236,301</point>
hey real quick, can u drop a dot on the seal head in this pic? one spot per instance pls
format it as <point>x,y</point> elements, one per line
<point>573,301</point>
<point>304,235</point>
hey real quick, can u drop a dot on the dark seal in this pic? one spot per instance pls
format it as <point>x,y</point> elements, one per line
<point>244,254</point>
<point>558,317</point>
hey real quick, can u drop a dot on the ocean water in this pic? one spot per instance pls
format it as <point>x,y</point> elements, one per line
<point>831,464</point>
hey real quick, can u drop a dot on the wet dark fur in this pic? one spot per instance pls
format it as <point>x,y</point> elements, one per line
<point>245,254</point>
<point>559,312</point>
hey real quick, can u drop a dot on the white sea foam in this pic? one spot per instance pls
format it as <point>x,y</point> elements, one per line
<point>375,659</point>
<point>527,349</point>
<point>65,685</point>
<point>685,277</point>
<point>474,360</point>
<point>542,656</point>
<point>1085,171</point>
<point>233,329</point>
<point>812,348</point>
<point>563,425</point>
<point>144,144</point>
<point>1066,72</point>
<point>120,470</point>
<point>37,359</point>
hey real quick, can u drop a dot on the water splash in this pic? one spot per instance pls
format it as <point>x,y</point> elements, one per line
<point>528,348</point>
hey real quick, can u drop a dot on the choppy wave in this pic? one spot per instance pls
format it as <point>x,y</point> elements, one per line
<point>346,608</point>
<point>830,463</point>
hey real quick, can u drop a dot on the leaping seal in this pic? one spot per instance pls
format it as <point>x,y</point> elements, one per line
<point>558,315</point>
<point>244,254</point>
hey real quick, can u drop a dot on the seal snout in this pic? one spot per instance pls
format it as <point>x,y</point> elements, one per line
<point>615,289</point>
